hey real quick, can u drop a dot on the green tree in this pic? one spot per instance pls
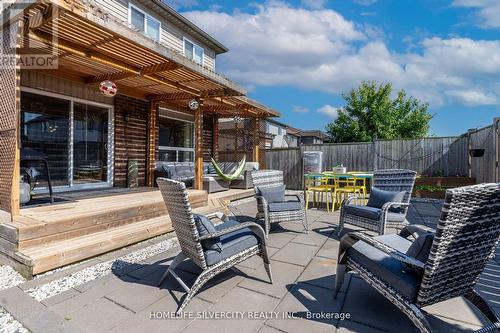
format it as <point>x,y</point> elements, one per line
<point>372,113</point>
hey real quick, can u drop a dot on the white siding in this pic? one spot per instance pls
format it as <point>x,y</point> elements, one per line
<point>171,36</point>
<point>117,8</point>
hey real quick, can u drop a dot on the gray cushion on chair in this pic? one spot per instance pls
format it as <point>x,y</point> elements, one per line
<point>420,250</point>
<point>205,227</point>
<point>285,206</point>
<point>388,269</point>
<point>373,213</point>
<point>232,243</point>
<point>272,194</point>
<point>379,197</point>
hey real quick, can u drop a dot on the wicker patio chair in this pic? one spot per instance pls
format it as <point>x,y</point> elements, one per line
<point>373,219</point>
<point>467,234</point>
<point>239,241</point>
<point>290,210</point>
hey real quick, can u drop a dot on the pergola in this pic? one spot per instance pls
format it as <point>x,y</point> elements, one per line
<point>90,46</point>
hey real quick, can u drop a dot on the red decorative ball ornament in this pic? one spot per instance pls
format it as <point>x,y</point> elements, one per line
<point>108,88</point>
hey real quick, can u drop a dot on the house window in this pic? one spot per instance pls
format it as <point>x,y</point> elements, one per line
<point>193,52</point>
<point>176,140</point>
<point>144,22</point>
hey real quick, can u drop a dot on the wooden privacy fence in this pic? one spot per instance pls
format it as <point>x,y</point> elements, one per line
<point>439,156</point>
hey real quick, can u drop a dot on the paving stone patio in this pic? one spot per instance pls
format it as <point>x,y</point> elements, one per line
<point>303,265</point>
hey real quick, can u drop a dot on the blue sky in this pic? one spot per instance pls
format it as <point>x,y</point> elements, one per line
<point>300,56</point>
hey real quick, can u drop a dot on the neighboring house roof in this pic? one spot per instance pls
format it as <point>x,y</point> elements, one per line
<point>277,123</point>
<point>160,7</point>
<point>315,134</point>
<point>293,131</point>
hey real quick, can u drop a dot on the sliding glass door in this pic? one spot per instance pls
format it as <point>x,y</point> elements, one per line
<point>45,132</point>
<point>90,144</point>
<point>74,135</point>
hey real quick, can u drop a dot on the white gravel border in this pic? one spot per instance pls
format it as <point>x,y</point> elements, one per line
<point>9,278</point>
<point>9,325</point>
<point>97,271</point>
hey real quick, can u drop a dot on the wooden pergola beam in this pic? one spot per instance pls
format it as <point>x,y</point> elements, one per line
<point>149,70</point>
<point>96,56</point>
<point>205,94</point>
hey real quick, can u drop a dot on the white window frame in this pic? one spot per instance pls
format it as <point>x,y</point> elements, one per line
<point>178,149</point>
<point>146,18</point>
<point>184,39</point>
<point>111,139</point>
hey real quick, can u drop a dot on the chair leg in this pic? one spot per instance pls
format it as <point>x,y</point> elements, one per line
<point>177,260</point>
<point>305,222</point>
<point>486,310</point>
<point>200,282</point>
<point>416,316</point>
<point>339,278</point>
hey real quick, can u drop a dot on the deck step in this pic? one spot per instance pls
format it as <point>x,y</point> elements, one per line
<point>68,251</point>
<point>87,216</point>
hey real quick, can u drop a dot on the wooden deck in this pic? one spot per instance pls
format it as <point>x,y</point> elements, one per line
<point>88,224</point>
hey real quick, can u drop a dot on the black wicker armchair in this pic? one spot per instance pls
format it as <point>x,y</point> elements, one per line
<point>458,251</point>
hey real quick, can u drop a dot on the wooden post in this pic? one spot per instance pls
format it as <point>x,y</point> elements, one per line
<point>256,139</point>
<point>235,142</point>
<point>215,138</point>
<point>152,144</point>
<point>198,147</point>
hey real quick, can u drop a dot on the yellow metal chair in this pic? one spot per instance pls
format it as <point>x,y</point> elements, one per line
<point>345,186</point>
<point>314,189</point>
<point>360,183</point>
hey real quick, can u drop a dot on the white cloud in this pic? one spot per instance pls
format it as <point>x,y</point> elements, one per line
<point>321,50</point>
<point>365,2</point>
<point>329,111</point>
<point>473,97</point>
<point>487,12</point>
<point>314,4</point>
<point>300,109</point>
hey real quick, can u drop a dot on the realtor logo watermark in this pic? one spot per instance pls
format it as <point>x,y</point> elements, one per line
<point>255,315</point>
<point>35,50</point>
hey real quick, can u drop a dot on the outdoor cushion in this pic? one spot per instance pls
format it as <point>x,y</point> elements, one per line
<point>420,250</point>
<point>373,213</point>
<point>379,197</point>
<point>272,194</point>
<point>232,243</point>
<point>169,170</point>
<point>181,169</point>
<point>205,227</point>
<point>284,206</point>
<point>388,269</point>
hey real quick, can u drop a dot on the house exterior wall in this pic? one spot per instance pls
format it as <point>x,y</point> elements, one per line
<point>131,118</point>
<point>279,133</point>
<point>171,36</point>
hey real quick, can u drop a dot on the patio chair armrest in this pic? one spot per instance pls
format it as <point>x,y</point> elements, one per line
<point>219,215</point>
<point>261,200</point>
<point>257,229</point>
<point>347,201</point>
<point>415,229</point>
<point>298,194</point>
<point>388,205</point>
<point>351,238</point>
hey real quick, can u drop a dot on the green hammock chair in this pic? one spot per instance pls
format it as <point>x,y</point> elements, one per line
<point>235,175</point>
